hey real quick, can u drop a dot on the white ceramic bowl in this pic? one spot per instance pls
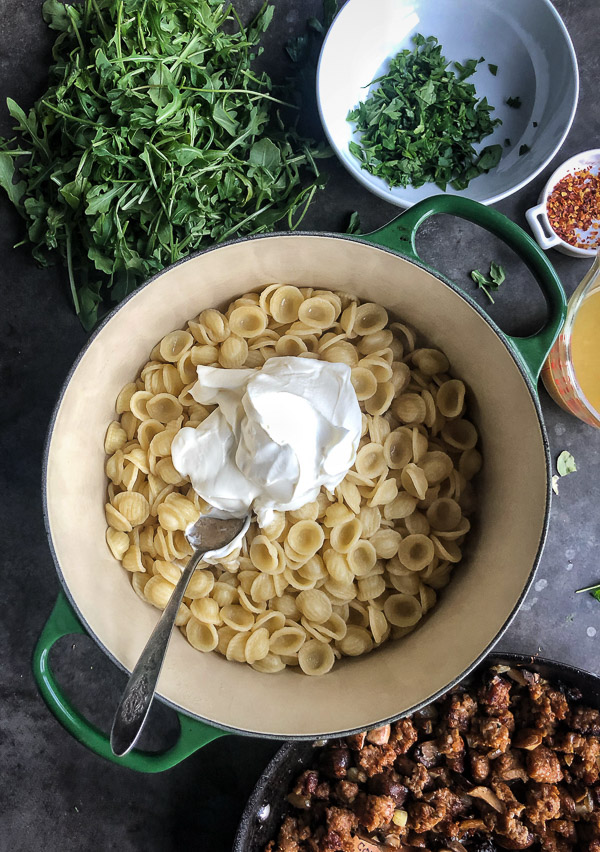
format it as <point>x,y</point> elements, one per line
<point>538,216</point>
<point>526,39</point>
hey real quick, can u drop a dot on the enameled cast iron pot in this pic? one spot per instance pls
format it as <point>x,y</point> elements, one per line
<point>267,804</point>
<point>213,695</point>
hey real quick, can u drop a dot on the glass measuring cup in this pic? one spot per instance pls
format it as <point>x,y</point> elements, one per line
<point>571,373</point>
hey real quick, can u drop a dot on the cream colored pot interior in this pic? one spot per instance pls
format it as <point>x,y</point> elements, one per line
<point>485,589</point>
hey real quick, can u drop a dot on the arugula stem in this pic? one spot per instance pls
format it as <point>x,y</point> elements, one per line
<point>118,33</point>
<point>71,13</point>
<point>75,118</point>
<point>105,30</point>
<point>249,92</point>
<point>311,191</point>
<point>593,588</point>
<point>249,218</point>
<point>155,184</point>
<point>140,30</point>
<point>70,269</point>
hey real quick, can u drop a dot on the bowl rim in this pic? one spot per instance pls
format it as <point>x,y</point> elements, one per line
<point>363,177</point>
<point>512,353</point>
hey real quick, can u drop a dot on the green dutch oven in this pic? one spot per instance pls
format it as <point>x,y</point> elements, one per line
<point>214,696</point>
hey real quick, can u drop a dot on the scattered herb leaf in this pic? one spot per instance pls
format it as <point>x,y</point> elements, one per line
<point>514,103</point>
<point>297,48</point>
<point>555,479</point>
<point>497,273</point>
<point>316,25</point>
<point>523,150</point>
<point>535,124</point>
<point>507,143</point>
<point>489,157</point>
<point>155,138</point>
<point>495,279</point>
<point>482,282</point>
<point>330,10</point>
<point>354,224</point>
<point>596,594</point>
<point>420,123</point>
<point>565,463</point>
<point>493,68</point>
<point>570,618</point>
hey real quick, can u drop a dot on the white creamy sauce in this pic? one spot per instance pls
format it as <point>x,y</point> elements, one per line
<point>277,435</point>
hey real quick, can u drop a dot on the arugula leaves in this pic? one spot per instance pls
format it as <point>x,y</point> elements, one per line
<point>496,278</point>
<point>155,138</point>
<point>421,122</point>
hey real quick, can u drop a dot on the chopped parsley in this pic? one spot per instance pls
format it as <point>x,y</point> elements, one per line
<point>421,122</point>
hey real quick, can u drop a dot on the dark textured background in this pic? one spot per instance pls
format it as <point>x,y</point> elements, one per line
<point>55,795</point>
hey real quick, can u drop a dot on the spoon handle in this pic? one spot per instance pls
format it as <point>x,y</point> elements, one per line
<point>139,692</point>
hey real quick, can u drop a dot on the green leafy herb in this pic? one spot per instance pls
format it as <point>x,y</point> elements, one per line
<point>523,150</point>
<point>565,463</point>
<point>507,143</point>
<point>514,103</point>
<point>468,68</point>
<point>483,283</point>
<point>421,122</point>
<point>555,479</point>
<point>296,48</point>
<point>299,48</point>
<point>535,124</point>
<point>495,279</point>
<point>353,224</point>
<point>497,273</point>
<point>155,138</point>
<point>493,68</point>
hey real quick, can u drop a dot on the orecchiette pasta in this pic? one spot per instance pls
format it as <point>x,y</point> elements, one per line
<point>342,574</point>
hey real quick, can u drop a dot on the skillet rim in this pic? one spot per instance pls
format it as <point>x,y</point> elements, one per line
<point>287,751</point>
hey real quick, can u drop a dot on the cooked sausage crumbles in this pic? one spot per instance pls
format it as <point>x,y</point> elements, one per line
<point>513,764</point>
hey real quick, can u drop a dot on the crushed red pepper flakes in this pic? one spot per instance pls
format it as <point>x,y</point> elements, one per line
<point>574,206</point>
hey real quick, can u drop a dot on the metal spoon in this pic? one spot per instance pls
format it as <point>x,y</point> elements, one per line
<point>207,534</point>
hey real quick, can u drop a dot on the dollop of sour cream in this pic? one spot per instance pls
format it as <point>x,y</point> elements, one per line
<point>278,434</point>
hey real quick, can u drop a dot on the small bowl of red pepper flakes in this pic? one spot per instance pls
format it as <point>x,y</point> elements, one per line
<point>567,217</point>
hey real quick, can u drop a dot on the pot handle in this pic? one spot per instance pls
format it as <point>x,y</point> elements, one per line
<point>400,234</point>
<point>192,735</point>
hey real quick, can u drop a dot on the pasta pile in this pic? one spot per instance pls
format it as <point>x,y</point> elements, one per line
<point>344,573</point>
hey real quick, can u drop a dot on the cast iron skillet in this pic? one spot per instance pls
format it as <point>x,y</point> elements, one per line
<point>267,805</point>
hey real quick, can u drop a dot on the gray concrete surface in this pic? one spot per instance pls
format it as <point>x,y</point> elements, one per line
<point>56,796</point>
